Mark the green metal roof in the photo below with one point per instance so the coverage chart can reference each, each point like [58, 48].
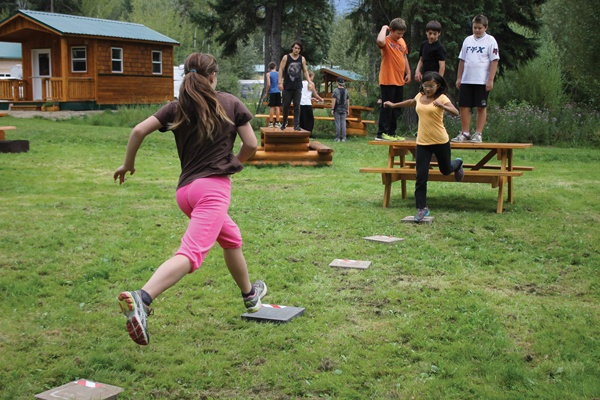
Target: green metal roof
[348, 75]
[76, 25]
[10, 50]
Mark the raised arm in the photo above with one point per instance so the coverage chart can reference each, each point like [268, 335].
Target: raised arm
[136, 138]
[381, 36]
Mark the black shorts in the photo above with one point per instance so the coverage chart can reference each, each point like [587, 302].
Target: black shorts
[472, 96]
[274, 99]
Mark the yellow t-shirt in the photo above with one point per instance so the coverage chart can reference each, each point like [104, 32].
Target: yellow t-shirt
[431, 122]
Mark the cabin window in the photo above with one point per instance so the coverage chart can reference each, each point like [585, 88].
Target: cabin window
[157, 62]
[117, 59]
[78, 59]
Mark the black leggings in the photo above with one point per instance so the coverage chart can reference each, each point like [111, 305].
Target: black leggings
[447, 166]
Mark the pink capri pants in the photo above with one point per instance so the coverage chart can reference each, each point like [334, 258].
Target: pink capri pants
[206, 201]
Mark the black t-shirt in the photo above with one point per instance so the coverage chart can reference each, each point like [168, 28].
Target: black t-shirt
[432, 54]
[292, 73]
[211, 157]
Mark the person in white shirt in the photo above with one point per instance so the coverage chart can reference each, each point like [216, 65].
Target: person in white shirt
[307, 117]
[475, 78]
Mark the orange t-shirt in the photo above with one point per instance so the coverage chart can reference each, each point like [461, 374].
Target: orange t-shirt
[392, 62]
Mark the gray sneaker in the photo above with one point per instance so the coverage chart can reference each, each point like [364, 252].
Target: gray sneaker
[270, 125]
[253, 303]
[137, 316]
[421, 213]
[336, 139]
[460, 138]
[476, 138]
[459, 174]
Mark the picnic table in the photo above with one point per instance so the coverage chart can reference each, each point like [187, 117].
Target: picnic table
[480, 172]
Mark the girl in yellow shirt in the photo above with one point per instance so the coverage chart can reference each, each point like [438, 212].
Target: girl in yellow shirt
[432, 138]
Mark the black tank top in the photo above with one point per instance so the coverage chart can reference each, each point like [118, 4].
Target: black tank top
[292, 73]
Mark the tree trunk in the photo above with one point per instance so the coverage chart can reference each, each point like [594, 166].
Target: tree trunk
[276, 32]
[409, 116]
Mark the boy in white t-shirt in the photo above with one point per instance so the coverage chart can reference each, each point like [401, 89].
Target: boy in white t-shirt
[475, 78]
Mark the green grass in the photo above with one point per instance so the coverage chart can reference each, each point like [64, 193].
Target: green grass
[475, 306]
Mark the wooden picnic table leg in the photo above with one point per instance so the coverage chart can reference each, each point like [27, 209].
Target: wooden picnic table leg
[387, 191]
[510, 179]
[502, 158]
[402, 154]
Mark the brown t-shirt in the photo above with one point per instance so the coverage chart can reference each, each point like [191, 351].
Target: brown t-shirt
[211, 157]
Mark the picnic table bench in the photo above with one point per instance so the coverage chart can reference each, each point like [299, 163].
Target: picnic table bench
[481, 172]
[290, 147]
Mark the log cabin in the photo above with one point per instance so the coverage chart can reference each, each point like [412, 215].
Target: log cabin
[86, 63]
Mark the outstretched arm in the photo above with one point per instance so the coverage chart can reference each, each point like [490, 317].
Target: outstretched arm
[136, 138]
[405, 103]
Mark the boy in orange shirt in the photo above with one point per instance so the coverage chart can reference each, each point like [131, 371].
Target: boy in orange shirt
[394, 68]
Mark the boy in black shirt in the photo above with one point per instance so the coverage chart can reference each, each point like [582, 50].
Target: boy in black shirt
[432, 56]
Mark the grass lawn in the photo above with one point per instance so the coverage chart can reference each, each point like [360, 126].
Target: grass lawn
[475, 306]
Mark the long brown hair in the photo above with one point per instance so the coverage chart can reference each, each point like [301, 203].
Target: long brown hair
[198, 102]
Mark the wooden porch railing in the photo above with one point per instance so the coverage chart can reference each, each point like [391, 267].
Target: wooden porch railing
[52, 89]
[77, 89]
[12, 89]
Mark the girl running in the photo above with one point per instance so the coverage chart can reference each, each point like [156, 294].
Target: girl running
[432, 137]
[205, 123]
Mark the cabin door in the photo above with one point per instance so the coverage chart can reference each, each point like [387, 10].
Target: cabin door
[42, 68]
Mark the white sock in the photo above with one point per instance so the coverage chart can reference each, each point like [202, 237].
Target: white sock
[467, 134]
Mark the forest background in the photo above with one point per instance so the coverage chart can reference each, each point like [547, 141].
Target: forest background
[547, 59]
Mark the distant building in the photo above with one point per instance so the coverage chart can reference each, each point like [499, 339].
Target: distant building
[10, 56]
[85, 63]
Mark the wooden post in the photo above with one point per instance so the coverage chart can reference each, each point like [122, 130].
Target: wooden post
[64, 62]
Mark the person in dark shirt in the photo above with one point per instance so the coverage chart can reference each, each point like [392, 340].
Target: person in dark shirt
[205, 124]
[432, 56]
[290, 83]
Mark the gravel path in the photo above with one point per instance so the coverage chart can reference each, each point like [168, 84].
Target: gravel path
[53, 115]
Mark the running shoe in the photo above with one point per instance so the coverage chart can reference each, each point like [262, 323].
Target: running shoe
[253, 303]
[336, 139]
[476, 138]
[344, 139]
[421, 213]
[283, 126]
[460, 172]
[270, 125]
[277, 125]
[378, 137]
[460, 138]
[137, 316]
[392, 138]
[297, 128]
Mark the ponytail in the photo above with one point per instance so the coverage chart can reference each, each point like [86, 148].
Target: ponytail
[198, 102]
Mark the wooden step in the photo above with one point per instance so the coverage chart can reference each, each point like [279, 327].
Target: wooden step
[29, 107]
